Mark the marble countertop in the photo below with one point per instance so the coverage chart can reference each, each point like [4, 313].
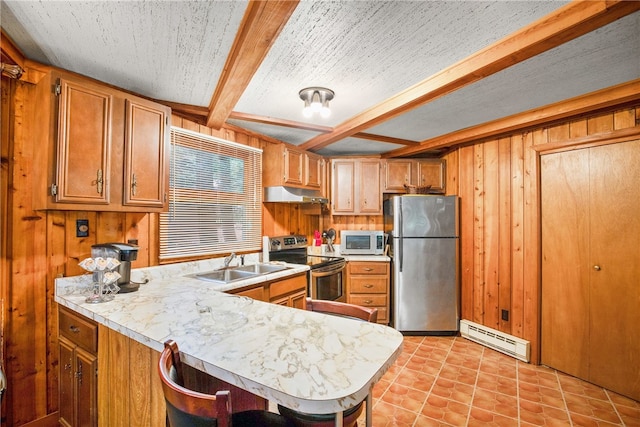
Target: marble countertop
[303, 360]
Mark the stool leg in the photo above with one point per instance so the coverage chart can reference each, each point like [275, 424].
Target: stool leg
[339, 418]
[367, 419]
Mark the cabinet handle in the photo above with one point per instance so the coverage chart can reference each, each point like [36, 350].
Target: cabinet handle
[597, 268]
[134, 184]
[368, 286]
[368, 301]
[368, 269]
[67, 366]
[79, 373]
[99, 181]
[74, 329]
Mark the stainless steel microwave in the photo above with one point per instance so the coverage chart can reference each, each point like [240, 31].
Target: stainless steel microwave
[359, 242]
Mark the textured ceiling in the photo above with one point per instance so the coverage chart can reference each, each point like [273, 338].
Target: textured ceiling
[368, 52]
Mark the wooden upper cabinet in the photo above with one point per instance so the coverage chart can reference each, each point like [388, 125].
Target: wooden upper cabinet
[397, 174]
[83, 144]
[369, 196]
[102, 149]
[343, 187]
[417, 172]
[145, 180]
[293, 165]
[286, 165]
[314, 168]
[431, 172]
[349, 175]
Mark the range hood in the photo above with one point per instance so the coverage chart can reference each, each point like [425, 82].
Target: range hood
[292, 195]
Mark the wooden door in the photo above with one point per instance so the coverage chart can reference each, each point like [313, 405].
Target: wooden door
[565, 245]
[614, 267]
[146, 154]
[591, 265]
[84, 144]
[343, 186]
[370, 196]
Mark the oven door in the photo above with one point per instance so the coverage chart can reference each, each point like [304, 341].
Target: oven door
[328, 283]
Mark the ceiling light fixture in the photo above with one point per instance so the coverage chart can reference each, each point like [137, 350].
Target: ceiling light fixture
[316, 100]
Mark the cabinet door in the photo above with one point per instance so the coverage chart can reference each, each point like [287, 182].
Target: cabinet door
[87, 388]
[397, 174]
[370, 196]
[84, 144]
[146, 154]
[590, 264]
[343, 188]
[431, 172]
[313, 167]
[614, 267]
[293, 167]
[66, 382]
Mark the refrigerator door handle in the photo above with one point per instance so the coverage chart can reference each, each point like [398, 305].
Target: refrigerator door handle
[400, 236]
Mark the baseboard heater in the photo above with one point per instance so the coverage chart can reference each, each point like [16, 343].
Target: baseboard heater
[504, 343]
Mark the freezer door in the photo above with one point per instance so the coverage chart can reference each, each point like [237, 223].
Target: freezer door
[426, 291]
[425, 216]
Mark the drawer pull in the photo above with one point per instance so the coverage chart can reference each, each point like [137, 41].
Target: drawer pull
[368, 301]
[74, 329]
[368, 285]
[368, 269]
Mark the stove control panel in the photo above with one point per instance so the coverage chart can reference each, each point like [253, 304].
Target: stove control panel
[282, 243]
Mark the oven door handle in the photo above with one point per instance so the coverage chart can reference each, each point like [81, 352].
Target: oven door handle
[316, 273]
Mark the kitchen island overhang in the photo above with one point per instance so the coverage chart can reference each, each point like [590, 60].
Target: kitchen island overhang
[307, 361]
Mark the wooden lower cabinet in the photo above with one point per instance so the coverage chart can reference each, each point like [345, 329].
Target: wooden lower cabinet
[78, 381]
[368, 285]
[290, 292]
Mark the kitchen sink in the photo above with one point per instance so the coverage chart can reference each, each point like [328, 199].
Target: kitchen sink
[241, 272]
[225, 276]
[260, 268]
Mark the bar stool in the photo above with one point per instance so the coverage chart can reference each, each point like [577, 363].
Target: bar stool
[350, 416]
[189, 408]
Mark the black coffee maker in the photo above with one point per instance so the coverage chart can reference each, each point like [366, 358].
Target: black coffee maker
[123, 252]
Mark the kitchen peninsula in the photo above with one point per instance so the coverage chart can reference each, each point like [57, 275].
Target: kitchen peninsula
[307, 361]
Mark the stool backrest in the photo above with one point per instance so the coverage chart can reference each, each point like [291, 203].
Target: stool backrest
[343, 309]
[188, 407]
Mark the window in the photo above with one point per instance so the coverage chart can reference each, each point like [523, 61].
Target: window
[215, 197]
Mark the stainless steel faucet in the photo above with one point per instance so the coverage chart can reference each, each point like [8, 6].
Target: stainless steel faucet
[228, 259]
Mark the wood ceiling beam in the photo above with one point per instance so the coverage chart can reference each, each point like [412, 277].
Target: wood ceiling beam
[260, 26]
[278, 122]
[316, 128]
[567, 23]
[606, 98]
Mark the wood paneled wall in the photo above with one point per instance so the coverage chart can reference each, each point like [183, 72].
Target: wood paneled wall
[500, 237]
[497, 181]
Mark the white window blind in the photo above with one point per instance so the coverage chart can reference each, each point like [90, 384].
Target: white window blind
[215, 197]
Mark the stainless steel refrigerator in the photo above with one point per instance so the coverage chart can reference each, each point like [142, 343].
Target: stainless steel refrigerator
[423, 236]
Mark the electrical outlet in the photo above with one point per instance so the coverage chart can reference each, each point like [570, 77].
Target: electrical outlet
[505, 315]
[82, 228]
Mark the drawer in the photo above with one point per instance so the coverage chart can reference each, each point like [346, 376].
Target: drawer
[287, 286]
[368, 267]
[368, 300]
[368, 285]
[79, 330]
[256, 293]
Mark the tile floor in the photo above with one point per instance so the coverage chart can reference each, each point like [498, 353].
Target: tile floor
[451, 381]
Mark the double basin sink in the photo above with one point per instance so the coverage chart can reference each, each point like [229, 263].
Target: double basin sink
[241, 272]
